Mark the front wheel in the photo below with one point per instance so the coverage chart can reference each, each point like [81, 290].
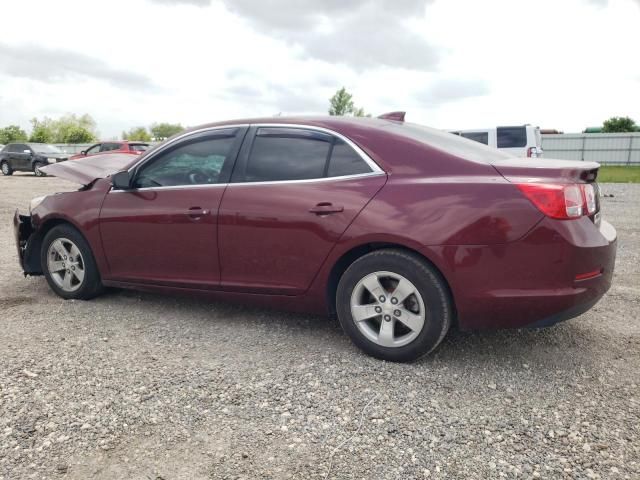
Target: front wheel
[393, 305]
[6, 168]
[68, 264]
[36, 169]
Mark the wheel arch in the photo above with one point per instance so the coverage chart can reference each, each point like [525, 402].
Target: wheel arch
[350, 256]
[32, 264]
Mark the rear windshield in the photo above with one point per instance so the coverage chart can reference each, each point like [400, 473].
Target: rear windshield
[512, 137]
[449, 143]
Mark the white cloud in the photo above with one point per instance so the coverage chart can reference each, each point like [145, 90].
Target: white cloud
[448, 63]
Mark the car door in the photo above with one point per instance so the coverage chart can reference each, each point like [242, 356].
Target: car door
[163, 230]
[20, 159]
[293, 193]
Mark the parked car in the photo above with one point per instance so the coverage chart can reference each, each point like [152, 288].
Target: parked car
[400, 229]
[521, 141]
[29, 157]
[135, 148]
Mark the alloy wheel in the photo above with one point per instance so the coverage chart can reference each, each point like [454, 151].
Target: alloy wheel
[5, 168]
[65, 264]
[388, 309]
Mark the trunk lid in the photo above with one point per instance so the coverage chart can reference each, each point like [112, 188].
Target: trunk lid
[87, 170]
[546, 170]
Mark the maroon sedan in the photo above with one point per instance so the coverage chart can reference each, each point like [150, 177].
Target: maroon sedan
[399, 229]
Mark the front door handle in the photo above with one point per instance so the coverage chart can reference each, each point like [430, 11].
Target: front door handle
[197, 212]
[325, 208]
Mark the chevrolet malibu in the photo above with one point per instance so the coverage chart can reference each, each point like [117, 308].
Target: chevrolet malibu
[400, 230]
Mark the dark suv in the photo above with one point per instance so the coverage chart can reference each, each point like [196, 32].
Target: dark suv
[29, 157]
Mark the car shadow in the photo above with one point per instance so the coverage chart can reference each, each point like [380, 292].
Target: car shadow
[566, 345]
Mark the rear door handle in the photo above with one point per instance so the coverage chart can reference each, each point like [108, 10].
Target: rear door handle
[197, 212]
[325, 208]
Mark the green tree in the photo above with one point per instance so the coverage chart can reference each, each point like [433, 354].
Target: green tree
[619, 124]
[42, 131]
[162, 131]
[66, 129]
[342, 104]
[137, 133]
[74, 129]
[12, 133]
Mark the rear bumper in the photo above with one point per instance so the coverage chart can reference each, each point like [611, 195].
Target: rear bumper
[533, 282]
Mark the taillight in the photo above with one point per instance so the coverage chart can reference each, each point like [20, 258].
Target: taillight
[589, 197]
[561, 201]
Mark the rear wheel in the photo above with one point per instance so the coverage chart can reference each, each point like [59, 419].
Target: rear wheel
[36, 169]
[68, 264]
[393, 305]
[6, 168]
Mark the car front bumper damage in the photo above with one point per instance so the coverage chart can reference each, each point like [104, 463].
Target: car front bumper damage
[23, 232]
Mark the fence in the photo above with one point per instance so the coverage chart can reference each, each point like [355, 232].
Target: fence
[73, 148]
[605, 148]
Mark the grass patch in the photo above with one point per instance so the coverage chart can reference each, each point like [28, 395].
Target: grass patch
[619, 174]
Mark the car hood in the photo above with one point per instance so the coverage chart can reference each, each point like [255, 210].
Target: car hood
[89, 169]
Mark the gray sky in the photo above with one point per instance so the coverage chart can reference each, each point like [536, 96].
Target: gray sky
[449, 64]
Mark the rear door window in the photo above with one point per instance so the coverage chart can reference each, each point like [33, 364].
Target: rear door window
[480, 137]
[512, 137]
[282, 154]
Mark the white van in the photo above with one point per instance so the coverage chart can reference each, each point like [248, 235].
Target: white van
[521, 141]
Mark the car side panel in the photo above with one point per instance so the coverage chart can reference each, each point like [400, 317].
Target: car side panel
[439, 212]
[82, 210]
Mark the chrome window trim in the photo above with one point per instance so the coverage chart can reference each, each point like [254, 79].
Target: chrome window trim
[368, 160]
[274, 182]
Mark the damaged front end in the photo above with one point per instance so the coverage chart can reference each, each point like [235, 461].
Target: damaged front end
[27, 244]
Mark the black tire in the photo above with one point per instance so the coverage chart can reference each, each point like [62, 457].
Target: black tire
[36, 169]
[91, 285]
[428, 282]
[6, 168]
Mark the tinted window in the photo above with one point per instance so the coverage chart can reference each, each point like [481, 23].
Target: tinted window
[107, 147]
[287, 154]
[345, 161]
[138, 147]
[197, 162]
[512, 137]
[94, 149]
[482, 137]
[18, 148]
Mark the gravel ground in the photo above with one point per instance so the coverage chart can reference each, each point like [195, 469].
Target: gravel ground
[144, 386]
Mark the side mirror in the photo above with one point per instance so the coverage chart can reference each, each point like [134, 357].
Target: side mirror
[27, 151]
[83, 152]
[121, 180]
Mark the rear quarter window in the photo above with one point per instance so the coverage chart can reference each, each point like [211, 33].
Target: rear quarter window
[512, 137]
[345, 161]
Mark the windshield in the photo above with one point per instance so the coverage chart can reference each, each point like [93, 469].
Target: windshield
[45, 148]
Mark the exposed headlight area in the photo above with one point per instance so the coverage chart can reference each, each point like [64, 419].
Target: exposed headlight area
[35, 202]
[52, 160]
